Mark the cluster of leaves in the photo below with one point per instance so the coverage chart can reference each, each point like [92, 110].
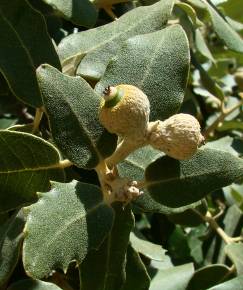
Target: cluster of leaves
[56, 230]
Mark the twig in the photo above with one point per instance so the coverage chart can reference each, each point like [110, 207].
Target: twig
[214, 225]
[108, 10]
[37, 119]
[59, 279]
[221, 117]
[65, 163]
[221, 209]
[104, 173]
[123, 149]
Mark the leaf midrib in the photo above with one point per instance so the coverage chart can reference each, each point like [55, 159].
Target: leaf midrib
[19, 39]
[82, 127]
[111, 39]
[30, 169]
[158, 182]
[149, 63]
[62, 230]
[140, 166]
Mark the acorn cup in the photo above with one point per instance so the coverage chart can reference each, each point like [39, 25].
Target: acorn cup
[178, 136]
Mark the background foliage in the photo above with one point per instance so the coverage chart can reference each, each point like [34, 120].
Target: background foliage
[56, 231]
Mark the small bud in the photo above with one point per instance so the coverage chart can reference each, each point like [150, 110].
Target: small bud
[125, 111]
[179, 136]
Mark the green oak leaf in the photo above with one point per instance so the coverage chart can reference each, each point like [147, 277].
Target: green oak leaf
[72, 107]
[235, 253]
[190, 217]
[136, 273]
[177, 183]
[11, 236]
[134, 166]
[189, 10]
[158, 64]
[236, 283]
[224, 30]
[78, 12]
[174, 278]
[64, 225]
[29, 284]
[27, 163]
[108, 264]
[95, 47]
[231, 9]
[23, 36]
[148, 249]
[208, 276]
[201, 45]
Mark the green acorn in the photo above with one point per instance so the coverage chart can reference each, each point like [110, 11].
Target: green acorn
[178, 136]
[124, 110]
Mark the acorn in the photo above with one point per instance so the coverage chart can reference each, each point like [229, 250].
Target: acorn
[124, 110]
[179, 136]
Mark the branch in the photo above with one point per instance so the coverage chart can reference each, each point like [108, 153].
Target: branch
[37, 119]
[123, 149]
[65, 163]
[221, 117]
[214, 225]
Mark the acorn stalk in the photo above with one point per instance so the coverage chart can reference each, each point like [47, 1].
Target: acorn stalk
[124, 148]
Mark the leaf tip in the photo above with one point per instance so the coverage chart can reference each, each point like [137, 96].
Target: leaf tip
[39, 194]
[26, 210]
[42, 68]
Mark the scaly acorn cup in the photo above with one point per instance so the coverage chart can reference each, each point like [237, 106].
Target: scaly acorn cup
[179, 136]
[124, 110]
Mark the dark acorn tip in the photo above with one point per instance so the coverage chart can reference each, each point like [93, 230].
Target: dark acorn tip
[107, 91]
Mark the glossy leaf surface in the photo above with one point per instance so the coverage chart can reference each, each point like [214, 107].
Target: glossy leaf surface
[20, 51]
[176, 183]
[27, 164]
[64, 225]
[72, 107]
[158, 64]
